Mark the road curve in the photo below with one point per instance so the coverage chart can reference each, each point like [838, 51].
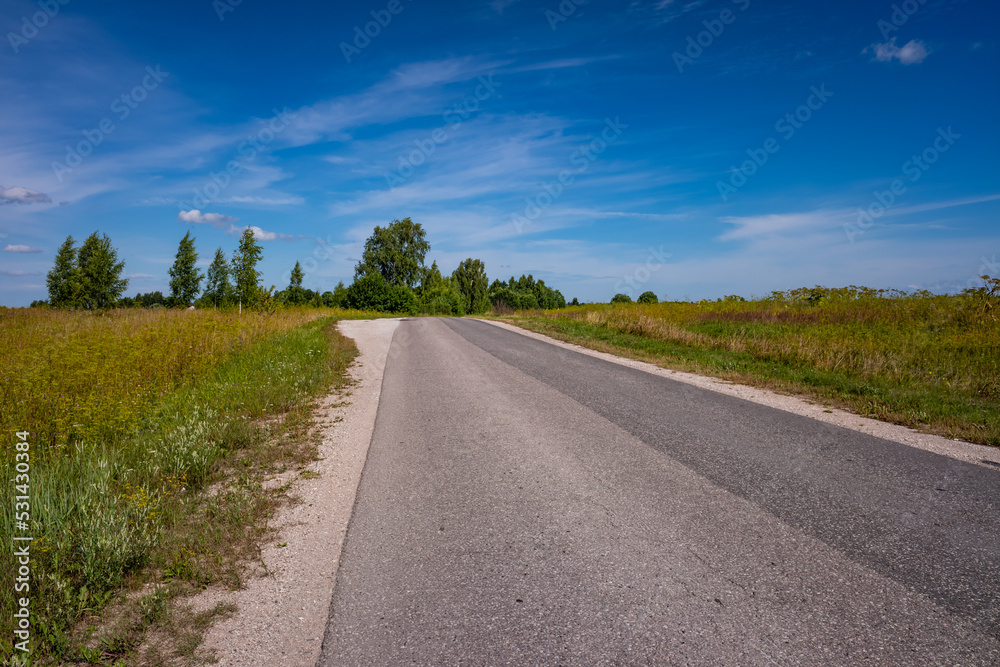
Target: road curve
[526, 504]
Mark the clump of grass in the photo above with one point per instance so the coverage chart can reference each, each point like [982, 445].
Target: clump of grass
[919, 359]
[112, 507]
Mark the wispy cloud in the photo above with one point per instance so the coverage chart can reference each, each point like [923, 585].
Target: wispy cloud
[20, 248]
[829, 221]
[766, 225]
[265, 201]
[561, 64]
[500, 5]
[665, 11]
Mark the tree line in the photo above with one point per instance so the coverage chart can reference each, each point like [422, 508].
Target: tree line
[90, 277]
[390, 277]
[393, 277]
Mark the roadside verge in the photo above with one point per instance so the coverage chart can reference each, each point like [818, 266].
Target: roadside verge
[282, 609]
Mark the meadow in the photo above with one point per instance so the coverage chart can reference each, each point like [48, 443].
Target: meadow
[927, 361]
[132, 417]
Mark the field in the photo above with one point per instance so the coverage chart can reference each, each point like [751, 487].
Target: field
[131, 417]
[931, 362]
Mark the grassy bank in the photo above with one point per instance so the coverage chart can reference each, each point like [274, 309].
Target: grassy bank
[926, 361]
[132, 418]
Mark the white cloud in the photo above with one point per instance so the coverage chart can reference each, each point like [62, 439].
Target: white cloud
[225, 222]
[20, 248]
[19, 195]
[259, 234]
[263, 235]
[914, 51]
[197, 217]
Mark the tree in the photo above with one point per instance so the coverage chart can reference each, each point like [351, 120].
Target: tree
[437, 295]
[64, 279]
[295, 295]
[337, 298]
[218, 289]
[297, 276]
[101, 282]
[647, 297]
[185, 278]
[621, 298]
[397, 252]
[525, 293]
[150, 300]
[245, 272]
[471, 281]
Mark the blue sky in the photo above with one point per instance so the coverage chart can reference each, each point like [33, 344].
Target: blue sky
[695, 149]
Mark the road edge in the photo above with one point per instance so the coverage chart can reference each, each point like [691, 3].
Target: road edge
[956, 449]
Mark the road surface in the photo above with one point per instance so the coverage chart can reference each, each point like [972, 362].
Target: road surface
[526, 504]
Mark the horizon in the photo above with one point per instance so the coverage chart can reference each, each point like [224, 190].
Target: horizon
[695, 149]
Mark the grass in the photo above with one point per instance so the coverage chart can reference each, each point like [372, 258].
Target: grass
[931, 362]
[150, 433]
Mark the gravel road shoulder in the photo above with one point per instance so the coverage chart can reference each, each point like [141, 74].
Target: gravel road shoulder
[282, 610]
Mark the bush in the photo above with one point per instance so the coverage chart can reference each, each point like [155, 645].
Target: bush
[648, 297]
[445, 303]
[514, 300]
[621, 298]
[525, 293]
[372, 292]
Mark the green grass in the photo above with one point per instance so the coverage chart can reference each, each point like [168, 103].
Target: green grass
[113, 510]
[930, 362]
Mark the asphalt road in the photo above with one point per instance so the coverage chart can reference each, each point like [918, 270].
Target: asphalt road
[524, 504]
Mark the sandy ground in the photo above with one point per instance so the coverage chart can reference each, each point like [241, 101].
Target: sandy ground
[957, 449]
[282, 611]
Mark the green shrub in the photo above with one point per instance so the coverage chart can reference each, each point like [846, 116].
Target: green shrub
[372, 292]
[648, 297]
[525, 293]
[621, 298]
[515, 300]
